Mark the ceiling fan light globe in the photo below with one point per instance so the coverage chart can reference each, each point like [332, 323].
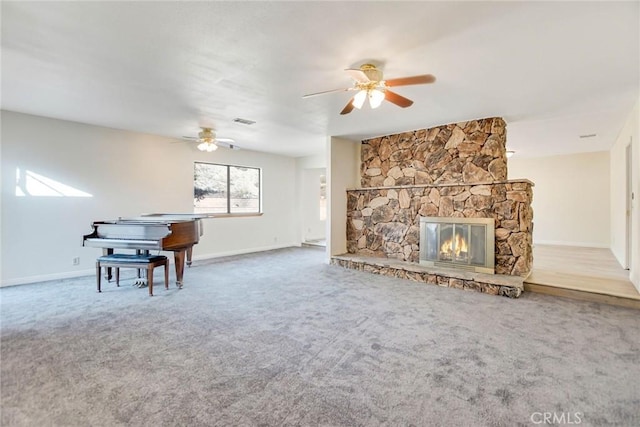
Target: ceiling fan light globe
[375, 98]
[202, 146]
[212, 147]
[358, 100]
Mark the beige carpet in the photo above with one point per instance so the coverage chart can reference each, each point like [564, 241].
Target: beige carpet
[281, 339]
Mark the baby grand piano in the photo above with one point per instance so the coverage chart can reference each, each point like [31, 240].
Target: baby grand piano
[162, 232]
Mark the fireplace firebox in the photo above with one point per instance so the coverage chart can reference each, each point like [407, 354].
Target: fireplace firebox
[464, 243]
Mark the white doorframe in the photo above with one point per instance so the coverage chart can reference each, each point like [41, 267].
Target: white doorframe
[628, 197]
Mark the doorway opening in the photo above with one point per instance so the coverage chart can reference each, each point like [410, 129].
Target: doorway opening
[314, 206]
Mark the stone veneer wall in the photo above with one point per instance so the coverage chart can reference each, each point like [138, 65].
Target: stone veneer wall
[465, 152]
[455, 170]
[385, 221]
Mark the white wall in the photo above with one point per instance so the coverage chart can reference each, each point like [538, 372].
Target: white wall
[570, 198]
[630, 134]
[315, 161]
[128, 174]
[343, 172]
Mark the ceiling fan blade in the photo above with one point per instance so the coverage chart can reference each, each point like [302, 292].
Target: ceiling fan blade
[413, 80]
[226, 140]
[348, 108]
[358, 75]
[326, 91]
[190, 137]
[399, 100]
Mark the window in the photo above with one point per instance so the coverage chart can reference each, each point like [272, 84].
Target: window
[225, 189]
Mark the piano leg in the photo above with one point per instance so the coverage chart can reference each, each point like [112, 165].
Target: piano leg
[179, 256]
[142, 276]
[189, 254]
[107, 251]
[98, 275]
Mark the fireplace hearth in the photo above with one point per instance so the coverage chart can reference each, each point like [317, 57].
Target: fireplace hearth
[463, 243]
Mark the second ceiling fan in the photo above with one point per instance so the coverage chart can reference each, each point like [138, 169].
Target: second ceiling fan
[369, 83]
[208, 141]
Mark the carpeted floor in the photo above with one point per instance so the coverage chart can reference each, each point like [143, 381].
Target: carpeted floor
[281, 339]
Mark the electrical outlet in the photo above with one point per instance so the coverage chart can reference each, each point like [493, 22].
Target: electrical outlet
[76, 260]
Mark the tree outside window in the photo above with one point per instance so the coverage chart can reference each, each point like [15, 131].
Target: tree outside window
[226, 189]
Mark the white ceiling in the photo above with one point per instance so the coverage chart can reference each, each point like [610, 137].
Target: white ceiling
[553, 70]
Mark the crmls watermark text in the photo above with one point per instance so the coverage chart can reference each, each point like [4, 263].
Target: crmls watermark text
[557, 418]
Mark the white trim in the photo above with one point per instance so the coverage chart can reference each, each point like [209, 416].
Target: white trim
[243, 251]
[562, 243]
[628, 198]
[314, 237]
[47, 277]
[91, 272]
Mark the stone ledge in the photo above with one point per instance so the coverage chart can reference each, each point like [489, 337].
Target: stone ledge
[453, 184]
[494, 284]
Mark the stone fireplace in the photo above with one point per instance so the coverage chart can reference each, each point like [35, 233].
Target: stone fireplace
[464, 243]
[453, 171]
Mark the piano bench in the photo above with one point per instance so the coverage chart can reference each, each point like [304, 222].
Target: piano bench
[148, 262]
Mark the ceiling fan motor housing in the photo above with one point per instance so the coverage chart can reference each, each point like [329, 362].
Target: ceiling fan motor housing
[371, 72]
[206, 134]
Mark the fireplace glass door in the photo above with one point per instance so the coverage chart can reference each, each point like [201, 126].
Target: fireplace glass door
[463, 243]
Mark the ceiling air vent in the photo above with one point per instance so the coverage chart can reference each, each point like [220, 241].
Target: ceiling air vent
[591, 135]
[243, 121]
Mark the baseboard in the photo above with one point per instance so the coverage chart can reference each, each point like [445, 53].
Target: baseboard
[243, 251]
[564, 243]
[308, 238]
[91, 272]
[47, 277]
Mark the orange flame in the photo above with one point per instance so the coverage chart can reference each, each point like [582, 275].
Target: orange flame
[460, 246]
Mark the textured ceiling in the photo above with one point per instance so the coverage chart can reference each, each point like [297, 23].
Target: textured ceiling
[553, 70]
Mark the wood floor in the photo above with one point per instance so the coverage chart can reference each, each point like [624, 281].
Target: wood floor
[591, 274]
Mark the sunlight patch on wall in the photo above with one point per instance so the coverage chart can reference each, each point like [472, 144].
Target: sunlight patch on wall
[29, 183]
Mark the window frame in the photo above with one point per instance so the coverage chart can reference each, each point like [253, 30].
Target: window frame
[228, 213]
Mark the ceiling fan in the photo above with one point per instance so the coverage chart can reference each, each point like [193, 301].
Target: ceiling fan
[209, 142]
[369, 84]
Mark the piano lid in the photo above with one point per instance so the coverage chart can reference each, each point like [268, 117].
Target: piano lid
[168, 217]
[135, 230]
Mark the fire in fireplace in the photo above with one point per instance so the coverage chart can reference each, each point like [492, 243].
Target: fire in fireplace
[455, 246]
[466, 243]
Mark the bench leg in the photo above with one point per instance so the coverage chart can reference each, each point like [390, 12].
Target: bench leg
[98, 272]
[146, 267]
[150, 279]
[166, 274]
